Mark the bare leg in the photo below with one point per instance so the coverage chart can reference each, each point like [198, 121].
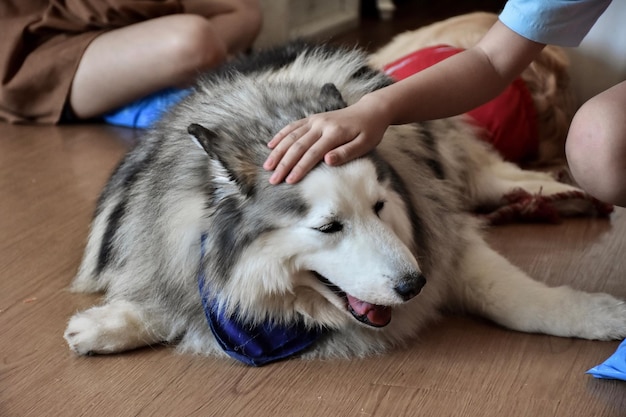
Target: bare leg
[129, 63]
[596, 146]
[238, 22]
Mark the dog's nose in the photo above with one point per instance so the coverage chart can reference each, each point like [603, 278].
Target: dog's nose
[410, 286]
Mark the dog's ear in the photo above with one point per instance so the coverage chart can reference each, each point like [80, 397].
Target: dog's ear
[202, 137]
[239, 169]
[331, 97]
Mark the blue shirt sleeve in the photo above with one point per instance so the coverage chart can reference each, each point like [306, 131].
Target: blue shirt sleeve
[555, 22]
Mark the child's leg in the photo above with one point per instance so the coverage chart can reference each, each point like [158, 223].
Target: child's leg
[131, 62]
[238, 22]
[596, 146]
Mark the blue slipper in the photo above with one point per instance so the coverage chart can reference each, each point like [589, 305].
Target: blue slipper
[144, 112]
[614, 367]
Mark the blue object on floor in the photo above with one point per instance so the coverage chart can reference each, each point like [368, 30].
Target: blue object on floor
[614, 367]
[144, 112]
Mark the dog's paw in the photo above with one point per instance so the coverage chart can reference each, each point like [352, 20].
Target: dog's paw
[110, 328]
[604, 318]
[83, 335]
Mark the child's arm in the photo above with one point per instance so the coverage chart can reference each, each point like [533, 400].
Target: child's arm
[453, 86]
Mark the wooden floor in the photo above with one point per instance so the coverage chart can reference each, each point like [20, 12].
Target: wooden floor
[50, 178]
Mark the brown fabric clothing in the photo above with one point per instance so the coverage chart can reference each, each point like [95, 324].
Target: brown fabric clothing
[42, 43]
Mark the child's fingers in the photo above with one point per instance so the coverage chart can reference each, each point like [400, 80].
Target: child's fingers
[345, 146]
[347, 152]
[282, 144]
[289, 152]
[307, 161]
[284, 132]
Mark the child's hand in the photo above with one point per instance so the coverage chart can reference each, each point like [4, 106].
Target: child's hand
[335, 137]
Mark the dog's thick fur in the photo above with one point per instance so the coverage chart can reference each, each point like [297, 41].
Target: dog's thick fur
[359, 237]
[547, 78]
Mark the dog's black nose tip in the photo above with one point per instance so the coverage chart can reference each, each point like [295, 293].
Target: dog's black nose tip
[410, 286]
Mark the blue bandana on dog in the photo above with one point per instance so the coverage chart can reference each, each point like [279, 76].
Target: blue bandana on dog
[255, 345]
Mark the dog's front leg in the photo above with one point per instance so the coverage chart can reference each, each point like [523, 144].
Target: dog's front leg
[114, 327]
[489, 285]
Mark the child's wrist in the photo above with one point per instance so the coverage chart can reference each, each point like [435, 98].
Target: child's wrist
[377, 107]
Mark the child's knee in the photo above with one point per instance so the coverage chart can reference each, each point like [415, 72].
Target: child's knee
[251, 16]
[195, 45]
[596, 149]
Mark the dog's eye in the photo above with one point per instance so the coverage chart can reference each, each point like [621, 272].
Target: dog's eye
[378, 206]
[332, 227]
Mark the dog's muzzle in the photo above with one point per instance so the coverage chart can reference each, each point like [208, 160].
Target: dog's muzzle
[375, 315]
[410, 286]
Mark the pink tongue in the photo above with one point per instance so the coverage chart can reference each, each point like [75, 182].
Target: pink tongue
[376, 315]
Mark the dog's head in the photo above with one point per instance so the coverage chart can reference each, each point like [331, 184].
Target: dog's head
[334, 248]
[355, 243]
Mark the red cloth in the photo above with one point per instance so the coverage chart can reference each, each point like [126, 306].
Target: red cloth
[510, 119]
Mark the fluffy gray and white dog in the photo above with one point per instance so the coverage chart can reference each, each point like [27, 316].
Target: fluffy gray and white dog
[193, 245]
